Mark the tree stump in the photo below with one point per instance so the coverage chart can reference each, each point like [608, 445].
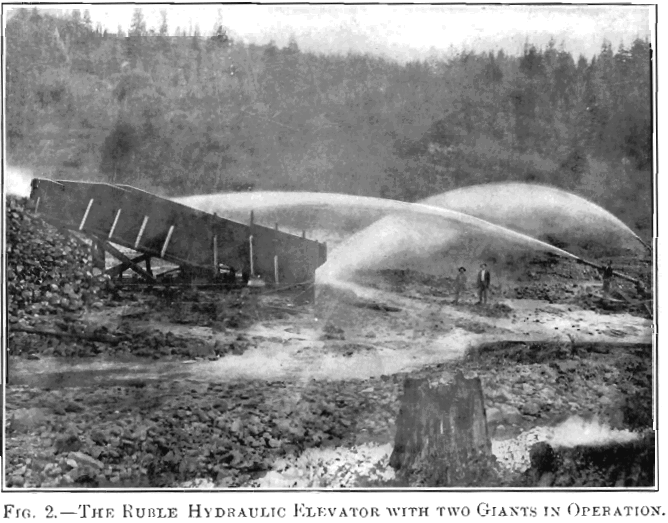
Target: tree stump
[442, 437]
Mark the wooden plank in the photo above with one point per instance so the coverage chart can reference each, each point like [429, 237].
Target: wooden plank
[122, 267]
[125, 259]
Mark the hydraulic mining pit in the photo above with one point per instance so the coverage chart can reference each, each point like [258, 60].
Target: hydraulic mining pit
[102, 376]
[199, 243]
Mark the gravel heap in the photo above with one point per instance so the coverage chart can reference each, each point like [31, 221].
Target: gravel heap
[48, 271]
[167, 434]
[339, 467]
[547, 382]
[79, 340]
[258, 434]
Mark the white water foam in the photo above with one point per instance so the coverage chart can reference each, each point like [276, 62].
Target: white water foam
[17, 181]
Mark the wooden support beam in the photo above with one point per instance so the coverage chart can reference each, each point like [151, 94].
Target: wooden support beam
[141, 231]
[164, 245]
[122, 267]
[113, 226]
[215, 254]
[85, 216]
[216, 267]
[252, 262]
[125, 259]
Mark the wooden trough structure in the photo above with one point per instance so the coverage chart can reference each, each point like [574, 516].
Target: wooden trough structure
[199, 243]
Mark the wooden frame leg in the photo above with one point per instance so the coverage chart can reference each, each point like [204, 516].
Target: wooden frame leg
[118, 270]
[127, 263]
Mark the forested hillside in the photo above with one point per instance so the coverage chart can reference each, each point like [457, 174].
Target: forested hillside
[193, 113]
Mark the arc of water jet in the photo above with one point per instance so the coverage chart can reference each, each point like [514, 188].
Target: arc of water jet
[482, 224]
[276, 200]
[468, 200]
[335, 271]
[498, 192]
[279, 201]
[334, 276]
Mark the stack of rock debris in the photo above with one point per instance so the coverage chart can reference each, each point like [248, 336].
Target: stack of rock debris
[48, 270]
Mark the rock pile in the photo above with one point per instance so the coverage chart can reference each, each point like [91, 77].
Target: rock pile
[238, 432]
[338, 467]
[82, 341]
[164, 434]
[48, 271]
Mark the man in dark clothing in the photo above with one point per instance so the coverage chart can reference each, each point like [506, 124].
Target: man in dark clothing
[460, 283]
[607, 276]
[483, 281]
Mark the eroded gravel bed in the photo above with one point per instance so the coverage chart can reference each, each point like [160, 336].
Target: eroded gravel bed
[164, 434]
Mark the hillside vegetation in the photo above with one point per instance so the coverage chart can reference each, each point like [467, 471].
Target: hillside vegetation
[201, 113]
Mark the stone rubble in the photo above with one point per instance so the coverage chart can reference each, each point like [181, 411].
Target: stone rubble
[49, 271]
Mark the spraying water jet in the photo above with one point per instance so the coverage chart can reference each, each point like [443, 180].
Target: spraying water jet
[541, 211]
[552, 218]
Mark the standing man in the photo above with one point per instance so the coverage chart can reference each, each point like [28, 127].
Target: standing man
[460, 283]
[483, 281]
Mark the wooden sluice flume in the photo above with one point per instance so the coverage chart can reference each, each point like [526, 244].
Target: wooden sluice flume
[155, 227]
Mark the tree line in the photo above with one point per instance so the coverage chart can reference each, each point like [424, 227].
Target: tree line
[196, 112]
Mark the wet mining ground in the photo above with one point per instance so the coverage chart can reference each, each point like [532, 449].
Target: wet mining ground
[248, 388]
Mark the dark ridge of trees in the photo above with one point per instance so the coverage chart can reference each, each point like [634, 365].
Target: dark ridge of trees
[200, 112]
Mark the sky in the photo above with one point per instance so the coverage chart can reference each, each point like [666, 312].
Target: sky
[403, 32]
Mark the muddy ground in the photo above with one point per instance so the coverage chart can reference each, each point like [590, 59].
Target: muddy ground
[241, 387]
[220, 398]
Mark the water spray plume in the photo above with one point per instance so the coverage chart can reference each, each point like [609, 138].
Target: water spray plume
[540, 211]
[545, 213]
[462, 223]
[331, 216]
[343, 203]
[17, 181]
[578, 431]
